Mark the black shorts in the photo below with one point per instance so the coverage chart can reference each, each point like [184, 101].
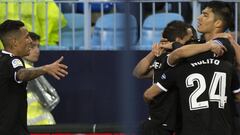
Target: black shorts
[150, 127]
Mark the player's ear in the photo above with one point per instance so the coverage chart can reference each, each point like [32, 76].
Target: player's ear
[11, 41]
[14, 41]
[219, 23]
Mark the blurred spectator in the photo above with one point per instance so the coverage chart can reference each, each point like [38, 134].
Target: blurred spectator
[23, 9]
[41, 96]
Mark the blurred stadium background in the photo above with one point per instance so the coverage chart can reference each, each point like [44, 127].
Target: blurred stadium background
[101, 41]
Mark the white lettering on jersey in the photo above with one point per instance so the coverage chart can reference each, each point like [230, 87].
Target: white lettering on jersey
[17, 63]
[204, 62]
[156, 65]
[216, 91]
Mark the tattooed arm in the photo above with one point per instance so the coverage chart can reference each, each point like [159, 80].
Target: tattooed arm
[55, 69]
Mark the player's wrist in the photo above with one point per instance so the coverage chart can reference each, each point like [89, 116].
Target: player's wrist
[152, 54]
[45, 69]
[210, 45]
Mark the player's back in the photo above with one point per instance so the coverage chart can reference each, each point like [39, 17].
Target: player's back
[206, 96]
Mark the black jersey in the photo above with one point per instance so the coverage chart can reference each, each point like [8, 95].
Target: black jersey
[13, 97]
[163, 109]
[205, 88]
[229, 55]
[160, 63]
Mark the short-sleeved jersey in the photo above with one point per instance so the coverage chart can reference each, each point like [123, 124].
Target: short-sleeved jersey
[13, 100]
[159, 66]
[165, 106]
[160, 63]
[205, 87]
[229, 55]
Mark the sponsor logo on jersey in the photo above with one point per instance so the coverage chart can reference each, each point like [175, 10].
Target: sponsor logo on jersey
[156, 65]
[17, 63]
[163, 76]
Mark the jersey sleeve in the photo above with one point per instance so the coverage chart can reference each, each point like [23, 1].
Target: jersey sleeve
[175, 46]
[230, 53]
[15, 63]
[166, 79]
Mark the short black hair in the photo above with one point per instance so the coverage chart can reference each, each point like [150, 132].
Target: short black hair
[9, 26]
[175, 29]
[222, 11]
[34, 36]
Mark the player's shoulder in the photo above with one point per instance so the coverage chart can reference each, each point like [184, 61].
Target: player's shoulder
[225, 42]
[230, 53]
[15, 61]
[222, 40]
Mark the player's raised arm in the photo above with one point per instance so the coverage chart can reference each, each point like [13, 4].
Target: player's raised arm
[55, 69]
[142, 69]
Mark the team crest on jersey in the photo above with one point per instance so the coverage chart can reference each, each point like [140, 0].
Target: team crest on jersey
[17, 63]
[163, 76]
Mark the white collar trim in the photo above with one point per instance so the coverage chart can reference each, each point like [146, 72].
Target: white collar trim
[7, 53]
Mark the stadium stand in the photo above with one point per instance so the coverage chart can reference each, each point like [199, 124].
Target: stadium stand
[95, 7]
[110, 31]
[72, 34]
[153, 27]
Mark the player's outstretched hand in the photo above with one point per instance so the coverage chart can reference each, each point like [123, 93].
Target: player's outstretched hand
[57, 69]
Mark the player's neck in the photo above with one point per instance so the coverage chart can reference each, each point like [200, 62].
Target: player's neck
[208, 36]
